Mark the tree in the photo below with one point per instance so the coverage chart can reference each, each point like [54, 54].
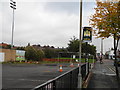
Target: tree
[39, 54]
[49, 53]
[73, 46]
[33, 53]
[8, 46]
[106, 19]
[106, 22]
[20, 48]
[88, 49]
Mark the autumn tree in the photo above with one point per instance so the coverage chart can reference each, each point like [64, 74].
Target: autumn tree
[106, 21]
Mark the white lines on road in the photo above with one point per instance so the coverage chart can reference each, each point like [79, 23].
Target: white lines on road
[111, 69]
[111, 74]
[27, 80]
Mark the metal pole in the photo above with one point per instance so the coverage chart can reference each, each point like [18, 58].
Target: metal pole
[101, 47]
[80, 44]
[101, 51]
[86, 60]
[12, 30]
[13, 6]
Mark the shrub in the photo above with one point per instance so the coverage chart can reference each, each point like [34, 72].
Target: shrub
[33, 53]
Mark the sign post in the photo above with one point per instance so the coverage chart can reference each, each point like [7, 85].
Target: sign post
[87, 37]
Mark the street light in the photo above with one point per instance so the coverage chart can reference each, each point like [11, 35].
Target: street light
[80, 44]
[13, 6]
[101, 51]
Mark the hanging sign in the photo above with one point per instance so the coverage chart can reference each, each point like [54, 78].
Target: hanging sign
[87, 34]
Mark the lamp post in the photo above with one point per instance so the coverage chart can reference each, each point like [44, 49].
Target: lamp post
[80, 44]
[101, 51]
[13, 6]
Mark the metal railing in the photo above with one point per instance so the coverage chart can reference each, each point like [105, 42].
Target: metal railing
[83, 71]
[67, 80]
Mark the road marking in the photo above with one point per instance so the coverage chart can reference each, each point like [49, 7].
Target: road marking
[111, 69]
[111, 74]
[26, 80]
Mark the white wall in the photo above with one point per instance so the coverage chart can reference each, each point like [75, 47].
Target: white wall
[1, 57]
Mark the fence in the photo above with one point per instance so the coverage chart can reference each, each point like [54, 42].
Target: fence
[67, 80]
[83, 71]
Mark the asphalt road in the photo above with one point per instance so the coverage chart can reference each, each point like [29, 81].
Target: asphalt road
[29, 75]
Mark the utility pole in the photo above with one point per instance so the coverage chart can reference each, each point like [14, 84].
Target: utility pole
[80, 45]
[13, 6]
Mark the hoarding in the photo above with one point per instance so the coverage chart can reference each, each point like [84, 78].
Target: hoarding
[87, 34]
[20, 55]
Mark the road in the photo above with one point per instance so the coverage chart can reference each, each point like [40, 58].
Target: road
[29, 75]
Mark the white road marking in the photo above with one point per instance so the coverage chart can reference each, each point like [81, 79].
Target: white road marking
[26, 80]
[111, 74]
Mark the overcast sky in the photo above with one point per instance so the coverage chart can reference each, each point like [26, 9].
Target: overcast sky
[46, 23]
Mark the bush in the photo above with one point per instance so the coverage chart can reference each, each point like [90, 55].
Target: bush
[33, 54]
[50, 53]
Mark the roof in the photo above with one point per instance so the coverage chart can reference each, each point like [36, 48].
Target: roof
[4, 44]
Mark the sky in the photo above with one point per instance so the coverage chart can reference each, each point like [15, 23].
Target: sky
[46, 22]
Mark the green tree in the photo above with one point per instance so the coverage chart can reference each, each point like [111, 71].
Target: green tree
[20, 48]
[73, 46]
[49, 53]
[39, 54]
[88, 49]
[33, 54]
[8, 46]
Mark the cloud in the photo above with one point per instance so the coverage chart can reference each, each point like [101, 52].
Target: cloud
[107, 44]
[48, 0]
[35, 24]
[45, 23]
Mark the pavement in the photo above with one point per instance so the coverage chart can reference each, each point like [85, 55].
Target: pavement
[104, 76]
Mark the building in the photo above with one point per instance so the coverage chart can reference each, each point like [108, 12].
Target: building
[2, 45]
[6, 46]
[11, 55]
